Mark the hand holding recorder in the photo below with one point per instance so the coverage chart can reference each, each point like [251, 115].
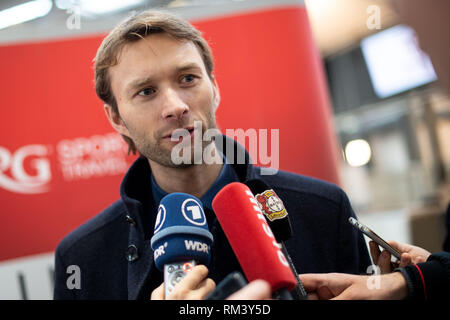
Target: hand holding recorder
[404, 253]
[409, 255]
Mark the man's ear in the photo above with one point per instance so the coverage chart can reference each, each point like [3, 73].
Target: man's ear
[216, 93]
[115, 120]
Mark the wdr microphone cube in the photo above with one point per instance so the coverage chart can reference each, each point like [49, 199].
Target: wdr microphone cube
[181, 231]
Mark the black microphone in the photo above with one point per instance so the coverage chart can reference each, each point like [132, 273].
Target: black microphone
[229, 285]
[277, 217]
[252, 240]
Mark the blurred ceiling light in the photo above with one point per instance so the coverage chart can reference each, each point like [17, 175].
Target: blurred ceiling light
[24, 12]
[358, 152]
[97, 7]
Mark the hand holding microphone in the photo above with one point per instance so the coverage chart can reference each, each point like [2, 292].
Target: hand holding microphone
[181, 238]
[194, 286]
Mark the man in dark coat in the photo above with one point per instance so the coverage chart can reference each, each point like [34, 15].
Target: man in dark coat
[154, 74]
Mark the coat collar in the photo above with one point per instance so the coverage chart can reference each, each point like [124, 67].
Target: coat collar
[136, 194]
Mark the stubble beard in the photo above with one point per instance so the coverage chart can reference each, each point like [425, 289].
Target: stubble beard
[162, 155]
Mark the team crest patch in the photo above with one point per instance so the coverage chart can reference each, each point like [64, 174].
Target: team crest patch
[271, 205]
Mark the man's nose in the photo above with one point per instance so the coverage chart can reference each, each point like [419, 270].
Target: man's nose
[173, 105]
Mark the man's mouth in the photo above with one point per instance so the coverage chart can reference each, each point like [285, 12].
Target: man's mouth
[179, 134]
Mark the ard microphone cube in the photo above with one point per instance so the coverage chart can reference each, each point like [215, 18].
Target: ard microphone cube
[181, 231]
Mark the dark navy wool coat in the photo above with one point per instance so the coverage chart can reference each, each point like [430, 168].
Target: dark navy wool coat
[115, 259]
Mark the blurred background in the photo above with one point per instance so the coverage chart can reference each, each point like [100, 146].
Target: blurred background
[372, 88]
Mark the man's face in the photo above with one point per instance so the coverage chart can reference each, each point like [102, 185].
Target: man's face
[160, 85]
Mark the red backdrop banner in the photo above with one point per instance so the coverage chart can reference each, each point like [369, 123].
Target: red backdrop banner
[61, 163]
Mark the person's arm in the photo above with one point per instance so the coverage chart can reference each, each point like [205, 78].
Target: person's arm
[195, 286]
[341, 286]
[428, 280]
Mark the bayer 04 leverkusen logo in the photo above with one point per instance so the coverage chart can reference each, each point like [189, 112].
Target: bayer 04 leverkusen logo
[271, 205]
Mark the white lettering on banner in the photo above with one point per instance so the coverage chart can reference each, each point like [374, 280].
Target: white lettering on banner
[80, 158]
[29, 277]
[93, 168]
[96, 146]
[21, 181]
[97, 156]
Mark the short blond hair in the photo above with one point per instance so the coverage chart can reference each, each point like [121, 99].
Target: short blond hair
[134, 29]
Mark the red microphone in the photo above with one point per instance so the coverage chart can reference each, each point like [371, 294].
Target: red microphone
[251, 238]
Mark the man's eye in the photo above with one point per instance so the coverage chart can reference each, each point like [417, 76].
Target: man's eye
[146, 92]
[188, 78]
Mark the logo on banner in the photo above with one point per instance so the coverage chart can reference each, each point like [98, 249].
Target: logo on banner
[21, 180]
[271, 205]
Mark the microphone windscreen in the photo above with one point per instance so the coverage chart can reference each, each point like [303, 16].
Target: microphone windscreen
[181, 231]
[250, 237]
[273, 209]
